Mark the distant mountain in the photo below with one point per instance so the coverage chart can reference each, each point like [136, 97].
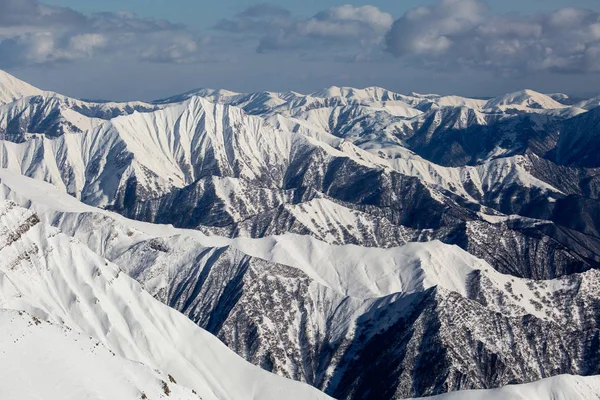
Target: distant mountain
[372, 244]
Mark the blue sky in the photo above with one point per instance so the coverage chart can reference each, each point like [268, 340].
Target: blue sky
[203, 14]
[467, 47]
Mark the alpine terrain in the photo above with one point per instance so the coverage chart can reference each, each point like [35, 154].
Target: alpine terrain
[350, 243]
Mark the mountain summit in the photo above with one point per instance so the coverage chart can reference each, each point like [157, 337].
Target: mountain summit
[12, 89]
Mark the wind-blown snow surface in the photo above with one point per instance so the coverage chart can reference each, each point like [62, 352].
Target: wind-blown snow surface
[341, 238]
[41, 360]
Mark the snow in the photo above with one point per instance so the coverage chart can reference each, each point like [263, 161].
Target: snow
[363, 272]
[589, 104]
[40, 360]
[562, 387]
[173, 144]
[524, 100]
[55, 277]
[458, 101]
[167, 148]
[12, 89]
[350, 270]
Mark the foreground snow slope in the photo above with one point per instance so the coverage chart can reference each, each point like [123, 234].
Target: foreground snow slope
[563, 387]
[41, 360]
[54, 277]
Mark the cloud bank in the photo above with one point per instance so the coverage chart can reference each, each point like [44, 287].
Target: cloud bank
[464, 33]
[276, 28]
[32, 33]
[449, 35]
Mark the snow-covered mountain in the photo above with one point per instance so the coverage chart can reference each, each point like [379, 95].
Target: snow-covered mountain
[427, 243]
[340, 290]
[13, 89]
[26, 110]
[54, 277]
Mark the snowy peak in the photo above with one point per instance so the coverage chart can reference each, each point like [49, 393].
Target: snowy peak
[12, 89]
[524, 99]
[217, 96]
[372, 93]
[589, 104]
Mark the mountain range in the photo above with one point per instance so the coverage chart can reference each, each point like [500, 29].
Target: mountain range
[370, 244]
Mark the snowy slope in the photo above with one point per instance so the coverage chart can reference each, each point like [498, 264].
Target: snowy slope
[54, 277]
[26, 110]
[174, 147]
[339, 284]
[41, 360]
[12, 89]
[350, 270]
[525, 99]
[48, 115]
[564, 387]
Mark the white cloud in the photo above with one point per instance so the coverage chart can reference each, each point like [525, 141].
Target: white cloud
[446, 36]
[180, 50]
[86, 43]
[277, 29]
[464, 33]
[32, 33]
[367, 16]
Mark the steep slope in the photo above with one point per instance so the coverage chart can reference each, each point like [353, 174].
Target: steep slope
[54, 277]
[577, 144]
[44, 360]
[156, 154]
[12, 89]
[215, 168]
[42, 115]
[26, 110]
[197, 172]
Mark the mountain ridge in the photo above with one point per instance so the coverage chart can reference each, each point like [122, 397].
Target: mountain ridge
[336, 238]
